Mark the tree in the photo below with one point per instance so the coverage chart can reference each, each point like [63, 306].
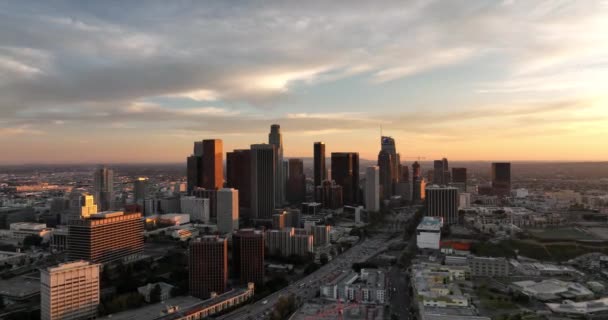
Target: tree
[156, 294]
[323, 258]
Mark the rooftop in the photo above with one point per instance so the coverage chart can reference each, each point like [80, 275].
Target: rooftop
[430, 224]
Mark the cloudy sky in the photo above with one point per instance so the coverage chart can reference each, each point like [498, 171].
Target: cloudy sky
[128, 81]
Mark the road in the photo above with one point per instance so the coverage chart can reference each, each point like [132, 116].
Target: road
[307, 287]
[400, 298]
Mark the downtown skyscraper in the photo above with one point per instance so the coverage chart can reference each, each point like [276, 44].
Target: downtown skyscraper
[276, 139]
[238, 174]
[263, 180]
[389, 164]
[501, 178]
[103, 188]
[208, 266]
[372, 189]
[205, 167]
[345, 172]
[319, 169]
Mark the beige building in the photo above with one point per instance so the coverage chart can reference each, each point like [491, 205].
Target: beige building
[69, 291]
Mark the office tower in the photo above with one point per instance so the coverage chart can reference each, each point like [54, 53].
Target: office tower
[210, 194]
[105, 237]
[275, 139]
[208, 266]
[416, 177]
[103, 186]
[321, 235]
[291, 218]
[296, 183]
[262, 180]
[404, 172]
[248, 255]
[140, 190]
[501, 178]
[194, 172]
[386, 168]
[388, 144]
[88, 206]
[198, 149]
[329, 194]
[198, 208]
[345, 172]
[278, 220]
[238, 175]
[442, 202]
[447, 176]
[372, 189]
[459, 175]
[437, 177]
[213, 164]
[227, 210]
[289, 241]
[69, 291]
[320, 171]
[303, 244]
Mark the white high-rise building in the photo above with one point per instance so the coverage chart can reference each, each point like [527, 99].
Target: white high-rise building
[69, 291]
[372, 188]
[197, 208]
[227, 210]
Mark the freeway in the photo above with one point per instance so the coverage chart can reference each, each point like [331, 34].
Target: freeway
[306, 288]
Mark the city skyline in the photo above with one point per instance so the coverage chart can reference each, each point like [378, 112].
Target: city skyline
[473, 80]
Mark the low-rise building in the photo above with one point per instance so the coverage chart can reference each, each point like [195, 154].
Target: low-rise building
[594, 309]
[368, 286]
[553, 289]
[488, 266]
[21, 230]
[165, 291]
[428, 233]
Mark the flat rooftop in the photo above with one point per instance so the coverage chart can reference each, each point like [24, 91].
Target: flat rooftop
[153, 311]
[21, 287]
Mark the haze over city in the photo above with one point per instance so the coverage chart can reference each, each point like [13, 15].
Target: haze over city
[92, 82]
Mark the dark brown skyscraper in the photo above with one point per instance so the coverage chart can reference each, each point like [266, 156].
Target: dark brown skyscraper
[345, 172]
[238, 167]
[387, 181]
[208, 266]
[416, 182]
[105, 236]
[296, 182]
[438, 172]
[501, 178]
[213, 164]
[320, 172]
[459, 175]
[248, 255]
[194, 172]
[262, 181]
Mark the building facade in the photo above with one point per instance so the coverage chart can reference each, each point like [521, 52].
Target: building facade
[372, 188]
[345, 172]
[69, 291]
[248, 255]
[442, 202]
[105, 237]
[227, 210]
[263, 181]
[320, 171]
[208, 266]
[238, 175]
